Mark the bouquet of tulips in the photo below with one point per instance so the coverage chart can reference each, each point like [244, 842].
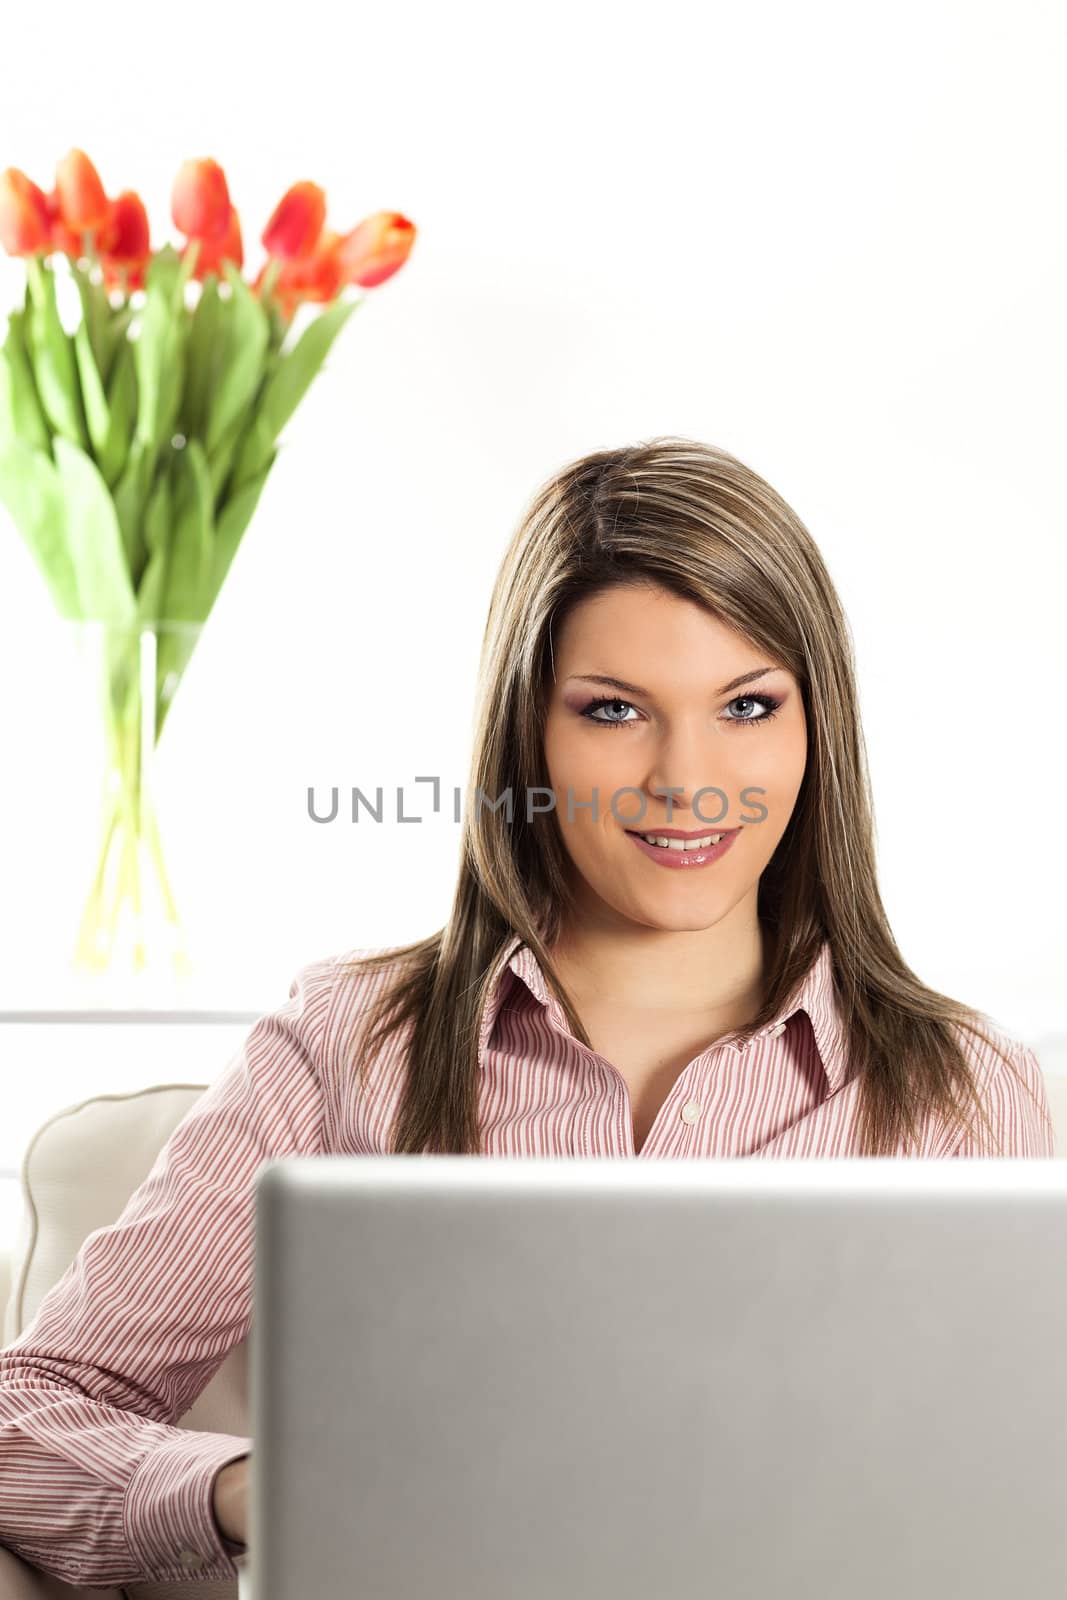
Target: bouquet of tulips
[134, 447]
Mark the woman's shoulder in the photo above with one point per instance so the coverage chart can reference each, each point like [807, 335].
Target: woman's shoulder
[368, 965]
[1010, 1080]
[353, 965]
[355, 977]
[986, 1043]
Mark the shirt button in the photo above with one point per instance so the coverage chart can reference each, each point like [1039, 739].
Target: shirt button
[691, 1111]
[190, 1559]
[779, 1027]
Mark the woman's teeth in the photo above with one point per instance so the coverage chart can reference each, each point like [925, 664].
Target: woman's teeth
[681, 844]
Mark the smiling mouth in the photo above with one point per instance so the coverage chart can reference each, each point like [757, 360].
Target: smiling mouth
[682, 843]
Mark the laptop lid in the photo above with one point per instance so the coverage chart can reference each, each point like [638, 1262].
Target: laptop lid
[501, 1377]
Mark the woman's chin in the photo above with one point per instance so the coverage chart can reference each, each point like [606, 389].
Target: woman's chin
[675, 913]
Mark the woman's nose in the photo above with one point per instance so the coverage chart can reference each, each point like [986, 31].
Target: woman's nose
[691, 766]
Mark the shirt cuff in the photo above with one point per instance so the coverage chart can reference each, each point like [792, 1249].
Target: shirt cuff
[168, 1515]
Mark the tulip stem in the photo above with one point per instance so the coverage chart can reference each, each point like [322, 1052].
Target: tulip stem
[36, 267]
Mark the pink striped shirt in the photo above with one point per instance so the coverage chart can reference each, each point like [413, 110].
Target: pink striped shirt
[97, 1483]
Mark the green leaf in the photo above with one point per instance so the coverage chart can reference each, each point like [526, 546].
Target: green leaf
[97, 410]
[202, 357]
[96, 317]
[233, 520]
[157, 517]
[150, 597]
[122, 409]
[130, 494]
[117, 327]
[159, 351]
[221, 458]
[157, 526]
[169, 270]
[31, 490]
[21, 415]
[52, 353]
[279, 326]
[156, 360]
[256, 446]
[188, 588]
[287, 385]
[247, 336]
[104, 590]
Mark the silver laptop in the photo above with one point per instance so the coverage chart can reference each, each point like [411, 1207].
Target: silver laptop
[496, 1378]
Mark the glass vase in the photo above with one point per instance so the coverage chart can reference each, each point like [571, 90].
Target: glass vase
[130, 921]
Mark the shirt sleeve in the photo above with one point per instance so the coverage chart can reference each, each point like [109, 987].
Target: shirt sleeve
[1020, 1114]
[98, 1484]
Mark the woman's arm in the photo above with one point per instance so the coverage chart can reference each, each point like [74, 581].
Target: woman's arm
[98, 1485]
[229, 1503]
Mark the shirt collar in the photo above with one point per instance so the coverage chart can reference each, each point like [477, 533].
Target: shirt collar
[813, 994]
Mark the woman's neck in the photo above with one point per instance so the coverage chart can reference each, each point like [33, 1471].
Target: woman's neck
[717, 973]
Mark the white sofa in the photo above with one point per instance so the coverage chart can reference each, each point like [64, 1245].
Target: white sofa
[78, 1171]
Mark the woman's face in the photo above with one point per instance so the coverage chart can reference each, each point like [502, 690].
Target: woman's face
[674, 717]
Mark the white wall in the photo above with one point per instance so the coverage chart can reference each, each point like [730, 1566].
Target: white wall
[828, 237]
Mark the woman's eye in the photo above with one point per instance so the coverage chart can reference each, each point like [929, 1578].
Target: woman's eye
[610, 722]
[767, 702]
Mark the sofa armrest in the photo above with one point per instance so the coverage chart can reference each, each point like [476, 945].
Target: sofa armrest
[19, 1581]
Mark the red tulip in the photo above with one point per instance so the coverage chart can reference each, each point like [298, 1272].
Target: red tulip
[123, 245]
[24, 218]
[315, 277]
[376, 248]
[214, 251]
[124, 237]
[296, 222]
[200, 200]
[60, 237]
[83, 205]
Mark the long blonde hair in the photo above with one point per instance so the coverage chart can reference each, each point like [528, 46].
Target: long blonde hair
[696, 521]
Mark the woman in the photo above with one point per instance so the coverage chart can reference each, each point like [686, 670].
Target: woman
[666, 592]
[596, 990]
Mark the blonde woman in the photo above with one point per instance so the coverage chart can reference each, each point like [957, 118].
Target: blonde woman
[665, 656]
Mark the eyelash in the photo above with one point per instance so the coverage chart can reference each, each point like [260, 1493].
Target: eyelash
[768, 701]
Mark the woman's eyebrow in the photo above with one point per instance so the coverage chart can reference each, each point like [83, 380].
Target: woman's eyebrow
[633, 688]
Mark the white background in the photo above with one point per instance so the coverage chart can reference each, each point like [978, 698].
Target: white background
[828, 237]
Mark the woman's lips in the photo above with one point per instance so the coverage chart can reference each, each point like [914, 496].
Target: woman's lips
[664, 856]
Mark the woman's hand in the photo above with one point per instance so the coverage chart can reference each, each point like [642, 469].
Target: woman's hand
[229, 1499]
